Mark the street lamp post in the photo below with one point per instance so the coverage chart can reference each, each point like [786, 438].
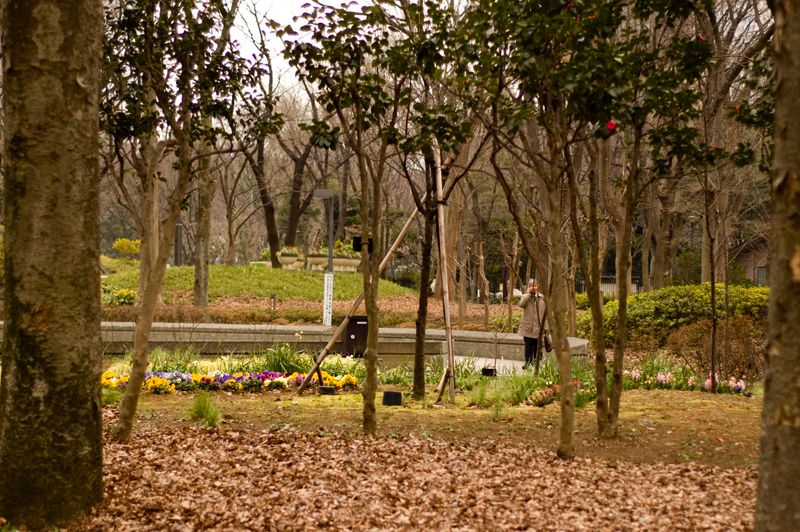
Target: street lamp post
[327, 304]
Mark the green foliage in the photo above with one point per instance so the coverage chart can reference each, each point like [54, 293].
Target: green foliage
[344, 248]
[185, 360]
[284, 359]
[582, 300]
[127, 248]
[479, 395]
[655, 314]
[662, 372]
[467, 373]
[110, 396]
[109, 265]
[225, 280]
[266, 255]
[500, 323]
[119, 297]
[204, 410]
[339, 365]
[520, 387]
[291, 251]
[400, 376]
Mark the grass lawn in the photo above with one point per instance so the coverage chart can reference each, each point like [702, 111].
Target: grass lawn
[248, 281]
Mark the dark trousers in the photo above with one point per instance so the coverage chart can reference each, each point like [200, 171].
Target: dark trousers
[530, 349]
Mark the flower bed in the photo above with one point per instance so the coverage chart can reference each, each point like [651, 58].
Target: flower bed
[168, 382]
[680, 380]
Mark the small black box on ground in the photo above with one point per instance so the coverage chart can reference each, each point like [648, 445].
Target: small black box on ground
[354, 341]
[392, 399]
[327, 390]
[488, 372]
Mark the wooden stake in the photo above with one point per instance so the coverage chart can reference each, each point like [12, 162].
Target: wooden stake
[449, 373]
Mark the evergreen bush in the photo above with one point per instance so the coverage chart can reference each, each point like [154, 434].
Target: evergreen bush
[652, 316]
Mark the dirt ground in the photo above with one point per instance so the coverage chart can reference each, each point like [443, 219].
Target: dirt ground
[656, 425]
[683, 461]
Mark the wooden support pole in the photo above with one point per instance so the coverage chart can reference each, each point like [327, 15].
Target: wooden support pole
[449, 373]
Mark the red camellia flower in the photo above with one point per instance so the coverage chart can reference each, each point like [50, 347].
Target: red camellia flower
[611, 125]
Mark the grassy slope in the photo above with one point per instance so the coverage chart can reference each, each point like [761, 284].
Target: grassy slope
[238, 281]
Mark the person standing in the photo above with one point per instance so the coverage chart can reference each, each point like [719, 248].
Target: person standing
[532, 322]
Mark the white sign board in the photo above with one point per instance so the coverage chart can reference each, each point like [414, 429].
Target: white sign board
[327, 302]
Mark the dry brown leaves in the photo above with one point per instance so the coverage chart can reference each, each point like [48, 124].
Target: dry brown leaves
[190, 478]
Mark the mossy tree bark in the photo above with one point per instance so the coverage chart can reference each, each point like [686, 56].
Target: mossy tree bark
[778, 497]
[50, 412]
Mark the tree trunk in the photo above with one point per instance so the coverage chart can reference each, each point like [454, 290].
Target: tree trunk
[590, 265]
[558, 324]
[230, 250]
[370, 268]
[456, 205]
[778, 505]
[50, 411]
[295, 205]
[206, 187]
[422, 307]
[484, 284]
[141, 334]
[662, 259]
[152, 152]
[647, 241]
[267, 204]
[623, 232]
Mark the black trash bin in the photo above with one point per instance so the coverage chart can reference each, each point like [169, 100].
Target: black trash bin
[354, 341]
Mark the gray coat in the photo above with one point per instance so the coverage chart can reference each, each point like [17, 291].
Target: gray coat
[530, 323]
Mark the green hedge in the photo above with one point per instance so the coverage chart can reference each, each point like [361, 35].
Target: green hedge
[653, 315]
[582, 300]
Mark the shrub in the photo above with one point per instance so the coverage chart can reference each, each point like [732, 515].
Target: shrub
[126, 248]
[319, 250]
[745, 357]
[582, 300]
[265, 255]
[344, 248]
[204, 410]
[291, 251]
[654, 315]
[117, 297]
